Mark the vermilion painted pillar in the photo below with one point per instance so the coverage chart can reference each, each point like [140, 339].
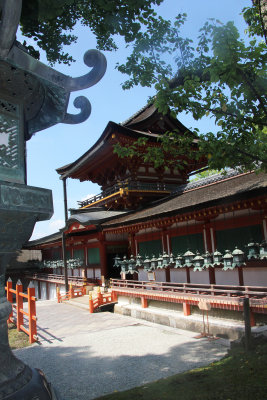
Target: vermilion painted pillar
[186, 309]
[144, 302]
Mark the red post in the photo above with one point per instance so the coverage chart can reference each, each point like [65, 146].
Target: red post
[32, 313]
[58, 295]
[114, 296]
[186, 309]
[91, 304]
[144, 302]
[99, 297]
[19, 301]
[71, 291]
[9, 297]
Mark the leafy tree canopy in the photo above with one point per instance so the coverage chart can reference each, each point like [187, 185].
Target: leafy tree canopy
[221, 77]
[50, 22]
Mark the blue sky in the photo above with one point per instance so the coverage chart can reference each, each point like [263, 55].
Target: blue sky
[62, 144]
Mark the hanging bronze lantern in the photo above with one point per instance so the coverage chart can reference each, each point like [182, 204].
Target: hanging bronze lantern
[179, 261]
[117, 261]
[238, 258]
[165, 259]
[139, 261]
[217, 258]
[207, 260]
[153, 262]
[263, 250]
[147, 264]
[198, 262]
[132, 265]
[253, 250]
[124, 265]
[160, 262]
[189, 257]
[228, 260]
[171, 260]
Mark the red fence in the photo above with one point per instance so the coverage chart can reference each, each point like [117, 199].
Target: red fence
[71, 294]
[18, 308]
[218, 296]
[101, 298]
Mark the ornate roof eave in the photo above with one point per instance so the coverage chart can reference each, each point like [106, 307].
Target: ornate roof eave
[71, 170]
[53, 87]
[68, 170]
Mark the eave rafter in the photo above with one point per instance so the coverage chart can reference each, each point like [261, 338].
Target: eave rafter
[205, 215]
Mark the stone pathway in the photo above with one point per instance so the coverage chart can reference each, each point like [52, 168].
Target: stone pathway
[88, 355]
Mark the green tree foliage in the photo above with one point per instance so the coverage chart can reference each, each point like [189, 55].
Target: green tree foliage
[221, 77]
[50, 22]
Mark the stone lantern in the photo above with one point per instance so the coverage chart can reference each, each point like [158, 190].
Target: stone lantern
[33, 97]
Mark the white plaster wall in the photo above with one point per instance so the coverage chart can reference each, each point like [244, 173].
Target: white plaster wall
[90, 273]
[62, 289]
[178, 275]
[255, 276]
[199, 277]
[229, 277]
[98, 273]
[160, 275]
[142, 275]
[75, 272]
[43, 291]
[52, 291]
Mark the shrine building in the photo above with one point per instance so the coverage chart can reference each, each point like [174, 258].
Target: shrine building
[154, 224]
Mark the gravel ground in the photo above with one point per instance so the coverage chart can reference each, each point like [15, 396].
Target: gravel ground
[88, 355]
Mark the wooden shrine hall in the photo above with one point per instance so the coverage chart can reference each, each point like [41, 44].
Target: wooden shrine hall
[153, 224]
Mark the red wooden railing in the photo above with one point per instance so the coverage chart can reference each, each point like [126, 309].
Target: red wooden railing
[99, 300]
[189, 294]
[71, 294]
[94, 303]
[18, 307]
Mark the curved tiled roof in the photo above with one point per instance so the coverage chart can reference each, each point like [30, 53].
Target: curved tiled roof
[198, 195]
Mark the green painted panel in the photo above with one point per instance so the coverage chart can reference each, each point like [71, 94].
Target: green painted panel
[78, 253]
[150, 247]
[56, 254]
[240, 237]
[194, 242]
[68, 257]
[93, 256]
